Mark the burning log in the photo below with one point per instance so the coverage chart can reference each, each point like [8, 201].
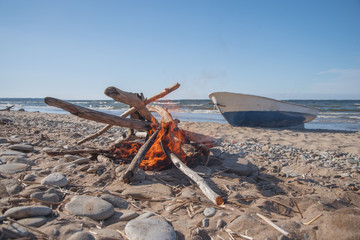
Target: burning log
[162, 94]
[98, 116]
[129, 173]
[209, 193]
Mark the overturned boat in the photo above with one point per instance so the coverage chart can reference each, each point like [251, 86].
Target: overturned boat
[255, 111]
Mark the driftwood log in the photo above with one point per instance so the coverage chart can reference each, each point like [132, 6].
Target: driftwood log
[8, 108]
[204, 187]
[162, 94]
[98, 116]
[131, 99]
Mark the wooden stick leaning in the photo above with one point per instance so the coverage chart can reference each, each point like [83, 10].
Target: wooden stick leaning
[204, 187]
[162, 94]
[98, 116]
[268, 221]
[130, 171]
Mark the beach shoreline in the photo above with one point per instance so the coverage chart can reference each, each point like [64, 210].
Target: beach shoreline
[257, 171]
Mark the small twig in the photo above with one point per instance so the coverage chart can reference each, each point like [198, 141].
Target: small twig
[238, 234]
[298, 208]
[229, 232]
[313, 220]
[268, 221]
[122, 234]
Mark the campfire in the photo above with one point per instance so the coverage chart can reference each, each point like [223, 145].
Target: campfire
[166, 144]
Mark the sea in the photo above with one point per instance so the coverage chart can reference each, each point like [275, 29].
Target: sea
[340, 115]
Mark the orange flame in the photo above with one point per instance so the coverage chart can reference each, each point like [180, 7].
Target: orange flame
[155, 159]
[172, 137]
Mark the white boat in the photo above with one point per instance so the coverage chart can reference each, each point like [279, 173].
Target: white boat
[255, 111]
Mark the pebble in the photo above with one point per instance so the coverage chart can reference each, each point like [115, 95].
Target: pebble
[12, 168]
[55, 179]
[3, 140]
[238, 165]
[149, 228]
[29, 177]
[23, 160]
[89, 206]
[22, 147]
[205, 222]
[209, 212]
[105, 234]
[50, 196]
[220, 224]
[11, 186]
[18, 229]
[33, 221]
[203, 170]
[27, 211]
[115, 201]
[188, 193]
[81, 236]
[128, 215]
[12, 153]
[290, 171]
[2, 218]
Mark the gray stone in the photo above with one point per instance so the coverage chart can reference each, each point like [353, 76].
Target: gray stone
[12, 186]
[148, 191]
[203, 170]
[30, 177]
[2, 218]
[353, 161]
[89, 206]
[107, 234]
[24, 160]
[22, 147]
[128, 215]
[220, 224]
[239, 166]
[290, 171]
[150, 228]
[209, 212]
[139, 175]
[82, 236]
[12, 153]
[205, 222]
[27, 211]
[115, 201]
[70, 157]
[12, 168]
[188, 193]
[55, 179]
[33, 221]
[18, 229]
[50, 197]
[3, 140]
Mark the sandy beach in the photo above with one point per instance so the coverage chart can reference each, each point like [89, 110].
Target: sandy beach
[305, 181]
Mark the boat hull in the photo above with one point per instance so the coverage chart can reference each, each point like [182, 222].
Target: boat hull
[255, 111]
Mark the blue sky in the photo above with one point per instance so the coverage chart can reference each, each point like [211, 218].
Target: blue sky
[282, 49]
